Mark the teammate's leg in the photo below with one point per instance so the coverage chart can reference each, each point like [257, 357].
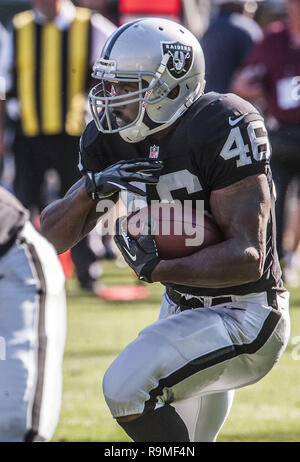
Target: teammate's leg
[47, 396]
[33, 323]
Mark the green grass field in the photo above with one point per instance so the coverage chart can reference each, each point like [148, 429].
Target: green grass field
[98, 330]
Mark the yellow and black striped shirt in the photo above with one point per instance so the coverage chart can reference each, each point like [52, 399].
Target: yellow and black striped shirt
[51, 73]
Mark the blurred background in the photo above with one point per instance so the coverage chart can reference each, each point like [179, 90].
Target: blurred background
[265, 10]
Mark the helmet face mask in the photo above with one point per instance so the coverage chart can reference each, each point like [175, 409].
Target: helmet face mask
[104, 100]
[157, 55]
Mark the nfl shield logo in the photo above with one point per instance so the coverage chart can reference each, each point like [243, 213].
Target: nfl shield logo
[154, 152]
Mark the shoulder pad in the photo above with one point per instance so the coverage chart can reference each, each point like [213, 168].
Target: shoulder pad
[89, 136]
[211, 119]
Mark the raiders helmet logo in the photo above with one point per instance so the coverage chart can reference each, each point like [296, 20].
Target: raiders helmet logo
[181, 58]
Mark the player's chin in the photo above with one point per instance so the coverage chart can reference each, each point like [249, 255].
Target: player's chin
[120, 122]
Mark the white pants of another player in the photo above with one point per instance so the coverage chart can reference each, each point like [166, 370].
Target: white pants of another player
[33, 326]
[195, 358]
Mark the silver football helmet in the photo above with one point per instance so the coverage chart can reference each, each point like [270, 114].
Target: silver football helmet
[159, 56]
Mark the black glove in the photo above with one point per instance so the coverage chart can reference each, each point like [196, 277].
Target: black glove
[140, 254]
[118, 176]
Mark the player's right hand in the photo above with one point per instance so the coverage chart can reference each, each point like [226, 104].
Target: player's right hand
[140, 254]
[119, 176]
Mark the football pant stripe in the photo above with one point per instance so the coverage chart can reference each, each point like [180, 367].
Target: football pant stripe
[211, 359]
[42, 341]
[110, 44]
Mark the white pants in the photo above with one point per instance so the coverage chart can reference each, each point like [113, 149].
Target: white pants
[193, 358]
[33, 329]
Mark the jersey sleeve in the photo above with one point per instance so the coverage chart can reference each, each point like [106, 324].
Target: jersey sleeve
[239, 148]
[90, 159]
[243, 152]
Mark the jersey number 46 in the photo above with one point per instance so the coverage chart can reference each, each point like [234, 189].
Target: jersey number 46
[236, 147]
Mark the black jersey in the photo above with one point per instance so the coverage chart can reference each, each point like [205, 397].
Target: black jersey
[220, 140]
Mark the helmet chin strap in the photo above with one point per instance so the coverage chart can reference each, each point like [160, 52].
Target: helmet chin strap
[135, 133]
[140, 130]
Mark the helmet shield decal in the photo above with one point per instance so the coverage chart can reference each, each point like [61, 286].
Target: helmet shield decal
[181, 58]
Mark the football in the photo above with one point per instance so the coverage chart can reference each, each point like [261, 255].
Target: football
[178, 231]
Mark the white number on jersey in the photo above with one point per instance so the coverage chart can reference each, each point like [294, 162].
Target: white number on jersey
[260, 143]
[166, 184]
[177, 180]
[236, 147]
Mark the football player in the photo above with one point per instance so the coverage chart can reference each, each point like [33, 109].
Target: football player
[224, 319]
[32, 328]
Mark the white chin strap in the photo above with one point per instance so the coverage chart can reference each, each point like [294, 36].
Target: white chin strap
[135, 133]
[140, 130]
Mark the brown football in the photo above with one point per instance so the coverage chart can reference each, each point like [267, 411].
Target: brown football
[178, 231]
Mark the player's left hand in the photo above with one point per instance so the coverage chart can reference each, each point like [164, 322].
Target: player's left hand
[140, 254]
